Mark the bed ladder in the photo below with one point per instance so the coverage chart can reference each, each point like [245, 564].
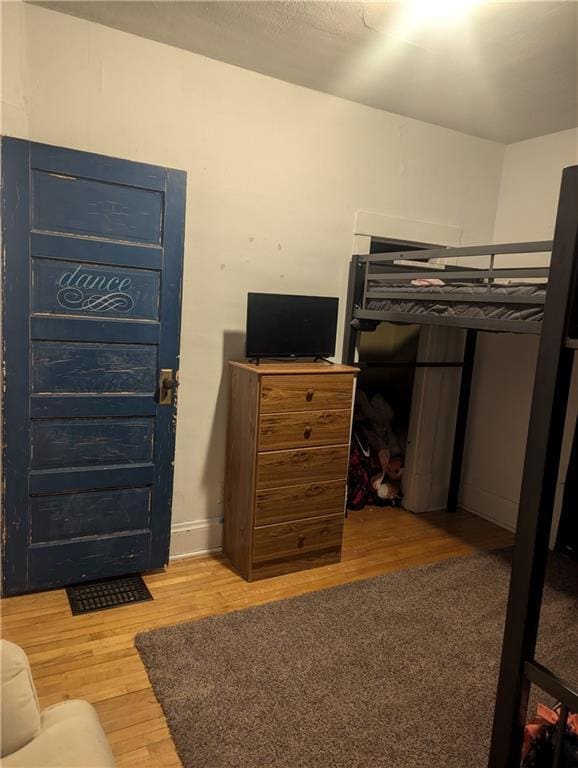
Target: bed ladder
[519, 669]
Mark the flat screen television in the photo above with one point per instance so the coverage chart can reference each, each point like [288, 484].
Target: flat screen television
[281, 325]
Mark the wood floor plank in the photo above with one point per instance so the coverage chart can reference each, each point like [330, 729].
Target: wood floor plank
[94, 657]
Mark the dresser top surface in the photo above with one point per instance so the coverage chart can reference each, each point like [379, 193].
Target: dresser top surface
[289, 367]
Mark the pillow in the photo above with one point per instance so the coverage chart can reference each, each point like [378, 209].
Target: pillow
[20, 721]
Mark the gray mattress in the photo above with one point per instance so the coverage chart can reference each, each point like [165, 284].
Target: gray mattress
[437, 300]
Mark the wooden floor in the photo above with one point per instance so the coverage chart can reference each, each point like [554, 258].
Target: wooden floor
[93, 656]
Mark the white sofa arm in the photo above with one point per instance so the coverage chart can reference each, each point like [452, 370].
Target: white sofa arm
[71, 736]
[20, 720]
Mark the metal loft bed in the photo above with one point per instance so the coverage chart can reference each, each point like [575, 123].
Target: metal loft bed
[422, 287]
[553, 315]
[389, 287]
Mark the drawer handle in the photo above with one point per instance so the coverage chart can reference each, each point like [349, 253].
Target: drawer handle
[307, 431]
[309, 395]
[300, 541]
[298, 457]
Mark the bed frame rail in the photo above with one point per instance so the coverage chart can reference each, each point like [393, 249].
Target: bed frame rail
[403, 267]
[537, 246]
[397, 269]
[551, 684]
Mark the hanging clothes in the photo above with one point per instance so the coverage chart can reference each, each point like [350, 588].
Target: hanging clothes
[377, 454]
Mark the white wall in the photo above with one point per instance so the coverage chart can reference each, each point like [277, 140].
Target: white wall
[276, 173]
[505, 364]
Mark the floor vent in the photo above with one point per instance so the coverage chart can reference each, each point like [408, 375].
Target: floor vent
[108, 593]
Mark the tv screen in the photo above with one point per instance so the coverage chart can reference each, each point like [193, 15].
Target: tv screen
[279, 325]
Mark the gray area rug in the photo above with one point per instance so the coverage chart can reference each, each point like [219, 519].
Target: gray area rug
[397, 671]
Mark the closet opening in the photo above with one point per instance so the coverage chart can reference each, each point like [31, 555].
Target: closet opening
[387, 356]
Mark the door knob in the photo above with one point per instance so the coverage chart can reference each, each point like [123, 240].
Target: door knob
[168, 384]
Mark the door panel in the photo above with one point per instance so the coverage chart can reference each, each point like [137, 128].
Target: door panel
[69, 204]
[88, 559]
[81, 479]
[89, 405]
[92, 290]
[88, 513]
[55, 246]
[83, 329]
[91, 442]
[75, 367]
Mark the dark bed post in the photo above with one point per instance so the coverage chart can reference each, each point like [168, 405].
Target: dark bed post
[462, 420]
[551, 387]
[354, 298]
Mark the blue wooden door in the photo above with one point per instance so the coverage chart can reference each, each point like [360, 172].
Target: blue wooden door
[93, 252]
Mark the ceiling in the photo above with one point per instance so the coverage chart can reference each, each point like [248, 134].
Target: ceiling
[506, 71]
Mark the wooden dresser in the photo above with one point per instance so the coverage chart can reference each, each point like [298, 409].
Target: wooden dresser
[287, 454]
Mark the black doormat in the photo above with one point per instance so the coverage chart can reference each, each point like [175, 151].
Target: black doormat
[107, 593]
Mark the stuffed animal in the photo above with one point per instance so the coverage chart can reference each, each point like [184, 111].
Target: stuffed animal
[386, 486]
[382, 417]
[389, 490]
[394, 468]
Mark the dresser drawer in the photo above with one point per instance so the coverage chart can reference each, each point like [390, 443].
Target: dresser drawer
[269, 568]
[287, 540]
[299, 429]
[279, 468]
[306, 393]
[294, 502]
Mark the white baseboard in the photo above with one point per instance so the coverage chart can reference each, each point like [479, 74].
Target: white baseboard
[489, 517]
[198, 537]
[502, 512]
